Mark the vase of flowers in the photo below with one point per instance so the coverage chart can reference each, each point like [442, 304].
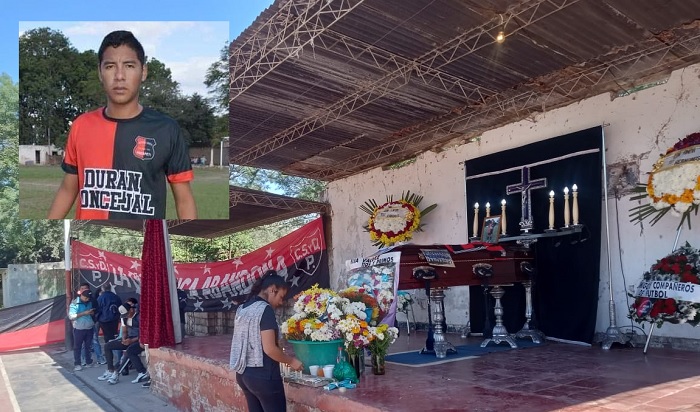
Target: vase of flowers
[381, 337]
[660, 295]
[311, 330]
[355, 310]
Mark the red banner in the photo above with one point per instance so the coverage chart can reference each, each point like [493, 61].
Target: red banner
[300, 258]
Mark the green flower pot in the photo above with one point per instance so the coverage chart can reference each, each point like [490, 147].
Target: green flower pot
[316, 353]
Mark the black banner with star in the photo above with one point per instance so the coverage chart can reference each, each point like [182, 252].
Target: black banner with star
[300, 257]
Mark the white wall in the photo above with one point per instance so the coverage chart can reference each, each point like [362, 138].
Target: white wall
[27, 154]
[640, 128]
[31, 282]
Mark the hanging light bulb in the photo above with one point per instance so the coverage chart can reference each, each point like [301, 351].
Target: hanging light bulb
[500, 37]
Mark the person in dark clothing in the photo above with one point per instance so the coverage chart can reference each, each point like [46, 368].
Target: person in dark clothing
[129, 342]
[108, 313]
[255, 354]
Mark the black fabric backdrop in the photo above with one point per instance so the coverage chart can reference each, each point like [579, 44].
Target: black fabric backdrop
[566, 295]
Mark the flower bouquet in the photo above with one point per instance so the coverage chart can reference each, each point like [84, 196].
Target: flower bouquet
[673, 184]
[404, 301]
[354, 310]
[311, 320]
[380, 338]
[311, 330]
[394, 221]
[660, 295]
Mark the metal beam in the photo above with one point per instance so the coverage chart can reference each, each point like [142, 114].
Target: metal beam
[587, 82]
[277, 202]
[284, 35]
[466, 43]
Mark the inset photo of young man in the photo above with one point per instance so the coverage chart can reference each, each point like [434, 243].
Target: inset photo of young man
[123, 120]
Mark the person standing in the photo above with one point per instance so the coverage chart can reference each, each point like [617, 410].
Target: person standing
[255, 353]
[108, 312]
[80, 314]
[118, 157]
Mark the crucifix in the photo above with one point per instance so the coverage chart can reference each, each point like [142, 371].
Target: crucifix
[524, 188]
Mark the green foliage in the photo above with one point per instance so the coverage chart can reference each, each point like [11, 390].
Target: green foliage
[217, 81]
[276, 182]
[197, 119]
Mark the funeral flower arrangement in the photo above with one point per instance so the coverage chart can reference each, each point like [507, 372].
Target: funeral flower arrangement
[324, 315]
[673, 184]
[404, 301]
[311, 320]
[377, 282]
[355, 310]
[681, 266]
[394, 221]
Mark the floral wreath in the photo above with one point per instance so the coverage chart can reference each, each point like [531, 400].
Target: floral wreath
[673, 184]
[394, 221]
[682, 266]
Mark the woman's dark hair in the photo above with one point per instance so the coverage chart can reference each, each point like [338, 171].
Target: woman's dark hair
[270, 278]
[122, 38]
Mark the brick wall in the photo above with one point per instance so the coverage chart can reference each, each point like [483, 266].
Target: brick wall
[209, 323]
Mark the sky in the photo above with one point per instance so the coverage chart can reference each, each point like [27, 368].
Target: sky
[187, 48]
[192, 25]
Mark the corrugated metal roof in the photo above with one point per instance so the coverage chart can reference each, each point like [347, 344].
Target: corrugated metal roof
[390, 79]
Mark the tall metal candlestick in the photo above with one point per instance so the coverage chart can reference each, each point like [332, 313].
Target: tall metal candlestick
[567, 214]
[503, 217]
[551, 210]
[476, 220]
[574, 206]
[488, 209]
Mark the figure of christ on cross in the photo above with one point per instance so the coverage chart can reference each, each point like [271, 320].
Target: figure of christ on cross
[524, 188]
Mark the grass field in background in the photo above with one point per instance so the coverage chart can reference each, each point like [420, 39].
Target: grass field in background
[38, 186]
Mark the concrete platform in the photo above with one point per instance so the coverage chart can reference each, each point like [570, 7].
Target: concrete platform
[556, 377]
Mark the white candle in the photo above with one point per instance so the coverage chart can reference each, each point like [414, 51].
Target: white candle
[567, 215]
[551, 210]
[488, 209]
[503, 217]
[574, 206]
[476, 220]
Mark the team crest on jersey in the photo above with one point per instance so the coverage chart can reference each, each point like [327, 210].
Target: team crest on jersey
[145, 148]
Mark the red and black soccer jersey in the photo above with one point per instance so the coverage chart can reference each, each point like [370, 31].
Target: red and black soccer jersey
[122, 164]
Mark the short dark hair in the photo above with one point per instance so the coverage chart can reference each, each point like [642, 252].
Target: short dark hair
[122, 38]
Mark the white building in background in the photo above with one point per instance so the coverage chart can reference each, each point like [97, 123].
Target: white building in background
[639, 128]
[39, 154]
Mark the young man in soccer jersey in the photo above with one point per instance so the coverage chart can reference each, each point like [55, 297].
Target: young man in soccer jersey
[118, 157]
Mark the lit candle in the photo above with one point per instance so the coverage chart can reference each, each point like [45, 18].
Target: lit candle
[503, 217]
[476, 220]
[551, 210]
[488, 209]
[567, 215]
[574, 206]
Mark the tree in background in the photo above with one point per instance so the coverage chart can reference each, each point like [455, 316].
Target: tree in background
[217, 81]
[44, 67]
